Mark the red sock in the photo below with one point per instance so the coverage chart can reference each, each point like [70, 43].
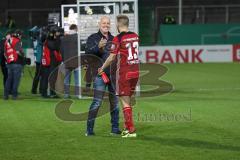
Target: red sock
[128, 124]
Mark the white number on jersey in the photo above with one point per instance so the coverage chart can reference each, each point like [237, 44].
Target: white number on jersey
[132, 50]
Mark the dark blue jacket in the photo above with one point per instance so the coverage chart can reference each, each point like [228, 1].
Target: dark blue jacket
[92, 46]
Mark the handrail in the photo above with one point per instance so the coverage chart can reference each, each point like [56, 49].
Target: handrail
[32, 9]
[200, 6]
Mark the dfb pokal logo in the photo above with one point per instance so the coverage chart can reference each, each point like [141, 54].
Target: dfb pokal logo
[150, 82]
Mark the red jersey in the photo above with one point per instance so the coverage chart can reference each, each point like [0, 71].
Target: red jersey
[125, 46]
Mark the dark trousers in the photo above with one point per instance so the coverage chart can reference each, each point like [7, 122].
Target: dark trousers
[49, 75]
[90, 75]
[36, 78]
[44, 80]
[53, 79]
[99, 90]
[5, 74]
[13, 80]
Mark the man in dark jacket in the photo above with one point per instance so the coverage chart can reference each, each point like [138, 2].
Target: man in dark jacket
[69, 51]
[2, 57]
[98, 44]
[37, 49]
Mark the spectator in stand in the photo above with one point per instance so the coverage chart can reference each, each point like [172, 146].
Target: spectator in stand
[169, 19]
[10, 23]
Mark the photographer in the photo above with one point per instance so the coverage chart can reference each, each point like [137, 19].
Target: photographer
[3, 58]
[38, 49]
[15, 60]
[51, 58]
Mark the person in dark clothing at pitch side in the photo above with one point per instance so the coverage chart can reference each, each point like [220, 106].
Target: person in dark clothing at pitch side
[15, 60]
[2, 57]
[51, 58]
[10, 23]
[37, 49]
[98, 44]
[69, 51]
[169, 19]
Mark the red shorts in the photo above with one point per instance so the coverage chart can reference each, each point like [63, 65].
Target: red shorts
[126, 86]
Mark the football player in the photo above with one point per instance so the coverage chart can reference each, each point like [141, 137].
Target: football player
[125, 49]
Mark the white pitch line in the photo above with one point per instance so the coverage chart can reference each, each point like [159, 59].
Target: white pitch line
[211, 89]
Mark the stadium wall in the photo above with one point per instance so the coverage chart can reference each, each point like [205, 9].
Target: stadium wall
[195, 34]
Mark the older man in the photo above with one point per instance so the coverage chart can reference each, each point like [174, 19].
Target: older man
[98, 44]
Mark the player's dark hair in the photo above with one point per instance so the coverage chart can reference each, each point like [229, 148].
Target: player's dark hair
[73, 27]
[123, 20]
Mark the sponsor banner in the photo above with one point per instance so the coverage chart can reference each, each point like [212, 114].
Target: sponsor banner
[181, 54]
[236, 53]
[186, 54]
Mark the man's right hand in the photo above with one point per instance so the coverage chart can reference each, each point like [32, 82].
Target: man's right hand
[102, 43]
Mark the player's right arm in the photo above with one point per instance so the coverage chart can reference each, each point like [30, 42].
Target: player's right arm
[107, 63]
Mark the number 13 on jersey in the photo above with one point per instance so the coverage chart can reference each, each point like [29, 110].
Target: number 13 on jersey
[132, 50]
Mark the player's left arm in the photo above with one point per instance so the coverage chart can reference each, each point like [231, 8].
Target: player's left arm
[107, 63]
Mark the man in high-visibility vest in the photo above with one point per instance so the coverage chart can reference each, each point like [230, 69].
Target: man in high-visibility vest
[51, 58]
[15, 60]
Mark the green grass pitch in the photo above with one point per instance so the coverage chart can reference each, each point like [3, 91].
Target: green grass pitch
[198, 120]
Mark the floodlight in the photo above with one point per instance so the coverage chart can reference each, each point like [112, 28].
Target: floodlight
[107, 9]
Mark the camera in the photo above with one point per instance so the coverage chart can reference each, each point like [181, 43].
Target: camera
[26, 61]
[38, 33]
[53, 29]
[34, 33]
[45, 32]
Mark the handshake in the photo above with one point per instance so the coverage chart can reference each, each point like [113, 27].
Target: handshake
[102, 43]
